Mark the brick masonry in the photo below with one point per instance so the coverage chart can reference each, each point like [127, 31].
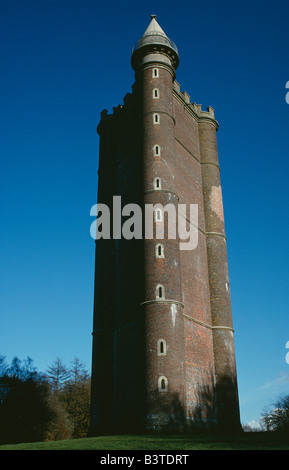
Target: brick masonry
[193, 383]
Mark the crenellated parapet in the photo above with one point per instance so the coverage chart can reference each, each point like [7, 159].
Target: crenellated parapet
[194, 109]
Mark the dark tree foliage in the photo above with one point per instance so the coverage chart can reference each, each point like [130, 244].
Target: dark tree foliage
[36, 407]
[24, 408]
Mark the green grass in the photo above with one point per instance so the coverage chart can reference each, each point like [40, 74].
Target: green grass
[245, 441]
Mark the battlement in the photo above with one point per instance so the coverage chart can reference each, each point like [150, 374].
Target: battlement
[194, 108]
[116, 110]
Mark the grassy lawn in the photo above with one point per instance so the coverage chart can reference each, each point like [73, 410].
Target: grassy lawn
[245, 441]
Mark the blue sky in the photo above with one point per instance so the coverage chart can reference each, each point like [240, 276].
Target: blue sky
[62, 62]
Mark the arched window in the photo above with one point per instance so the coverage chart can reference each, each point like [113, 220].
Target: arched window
[161, 347]
[155, 73]
[163, 384]
[160, 252]
[160, 291]
[156, 93]
[158, 215]
[157, 150]
[157, 183]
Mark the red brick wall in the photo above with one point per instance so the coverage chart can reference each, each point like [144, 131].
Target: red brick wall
[129, 319]
[199, 356]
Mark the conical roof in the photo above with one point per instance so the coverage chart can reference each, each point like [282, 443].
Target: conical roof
[154, 34]
[154, 28]
[155, 39]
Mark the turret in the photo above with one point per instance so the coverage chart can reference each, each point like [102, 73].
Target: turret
[154, 47]
[155, 60]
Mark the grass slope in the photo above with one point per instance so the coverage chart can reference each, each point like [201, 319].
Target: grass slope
[246, 441]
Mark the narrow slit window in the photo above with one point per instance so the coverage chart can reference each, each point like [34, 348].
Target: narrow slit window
[162, 347]
[156, 118]
[157, 150]
[163, 384]
[160, 251]
[160, 292]
[158, 215]
[156, 93]
[157, 183]
[155, 73]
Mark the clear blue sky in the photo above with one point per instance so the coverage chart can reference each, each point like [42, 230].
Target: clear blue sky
[62, 62]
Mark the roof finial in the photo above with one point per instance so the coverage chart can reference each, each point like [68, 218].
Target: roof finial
[153, 17]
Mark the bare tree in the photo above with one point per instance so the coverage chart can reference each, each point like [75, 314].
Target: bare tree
[57, 375]
[76, 398]
[277, 419]
[70, 398]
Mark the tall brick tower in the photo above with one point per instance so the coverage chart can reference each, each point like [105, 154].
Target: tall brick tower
[163, 347]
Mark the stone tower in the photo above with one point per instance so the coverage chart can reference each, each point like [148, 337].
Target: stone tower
[163, 346]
